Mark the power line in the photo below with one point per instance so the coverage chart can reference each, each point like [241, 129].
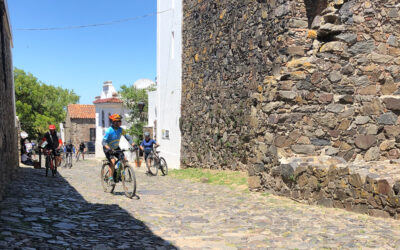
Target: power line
[94, 25]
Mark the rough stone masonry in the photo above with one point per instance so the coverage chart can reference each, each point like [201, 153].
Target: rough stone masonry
[264, 81]
[8, 130]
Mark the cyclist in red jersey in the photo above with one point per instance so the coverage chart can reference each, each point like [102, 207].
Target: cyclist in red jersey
[53, 143]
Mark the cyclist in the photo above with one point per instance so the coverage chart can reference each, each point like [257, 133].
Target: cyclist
[147, 146]
[69, 150]
[53, 143]
[111, 142]
[82, 149]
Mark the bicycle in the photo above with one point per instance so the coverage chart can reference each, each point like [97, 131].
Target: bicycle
[50, 163]
[68, 160]
[62, 157]
[156, 162]
[122, 172]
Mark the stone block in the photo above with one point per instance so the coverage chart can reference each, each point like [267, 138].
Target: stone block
[254, 182]
[303, 149]
[372, 154]
[355, 180]
[365, 141]
[384, 187]
[388, 118]
[379, 213]
[392, 103]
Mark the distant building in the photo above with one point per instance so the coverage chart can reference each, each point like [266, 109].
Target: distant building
[80, 124]
[167, 109]
[106, 104]
[144, 83]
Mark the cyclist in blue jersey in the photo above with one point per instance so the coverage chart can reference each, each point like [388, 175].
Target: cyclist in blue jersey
[147, 146]
[111, 142]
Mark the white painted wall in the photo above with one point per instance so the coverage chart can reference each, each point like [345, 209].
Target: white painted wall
[169, 71]
[108, 109]
[152, 109]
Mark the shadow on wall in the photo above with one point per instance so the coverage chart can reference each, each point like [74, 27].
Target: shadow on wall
[48, 213]
[314, 8]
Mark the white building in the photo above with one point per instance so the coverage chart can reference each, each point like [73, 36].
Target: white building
[144, 83]
[106, 104]
[169, 71]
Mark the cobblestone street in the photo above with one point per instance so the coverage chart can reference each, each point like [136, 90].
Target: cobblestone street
[72, 211]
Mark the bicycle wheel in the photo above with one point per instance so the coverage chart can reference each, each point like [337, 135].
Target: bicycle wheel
[105, 173]
[152, 167]
[163, 166]
[128, 181]
[63, 162]
[70, 161]
[47, 165]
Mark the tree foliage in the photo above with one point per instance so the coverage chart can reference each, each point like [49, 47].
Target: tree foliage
[39, 104]
[131, 96]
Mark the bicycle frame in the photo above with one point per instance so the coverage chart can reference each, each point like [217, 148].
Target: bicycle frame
[52, 158]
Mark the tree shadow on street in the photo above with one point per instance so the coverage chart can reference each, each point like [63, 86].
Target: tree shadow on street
[48, 213]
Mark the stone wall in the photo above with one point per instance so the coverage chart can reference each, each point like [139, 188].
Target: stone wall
[78, 130]
[266, 81]
[372, 188]
[269, 78]
[8, 131]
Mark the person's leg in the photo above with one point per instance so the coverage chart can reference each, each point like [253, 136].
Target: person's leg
[111, 160]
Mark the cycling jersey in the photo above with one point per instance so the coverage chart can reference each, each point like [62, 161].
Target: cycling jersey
[69, 148]
[52, 140]
[113, 136]
[148, 145]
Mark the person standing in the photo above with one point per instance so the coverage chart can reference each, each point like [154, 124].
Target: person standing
[82, 150]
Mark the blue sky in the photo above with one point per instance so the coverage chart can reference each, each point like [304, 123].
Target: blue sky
[82, 59]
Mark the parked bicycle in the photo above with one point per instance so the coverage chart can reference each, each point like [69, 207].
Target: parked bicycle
[156, 162]
[50, 163]
[123, 172]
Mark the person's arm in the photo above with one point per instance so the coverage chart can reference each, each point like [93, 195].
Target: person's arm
[129, 139]
[142, 146]
[104, 141]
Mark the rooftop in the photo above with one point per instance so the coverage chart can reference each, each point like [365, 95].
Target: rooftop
[82, 111]
[108, 100]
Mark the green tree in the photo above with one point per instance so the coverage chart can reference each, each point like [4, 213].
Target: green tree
[39, 104]
[131, 96]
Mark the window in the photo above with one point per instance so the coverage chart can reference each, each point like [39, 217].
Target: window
[165, 134]
[102, 119]
[92, 134]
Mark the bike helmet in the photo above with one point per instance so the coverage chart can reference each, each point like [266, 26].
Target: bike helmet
[115, 117]
[146, 134]
[52, 127]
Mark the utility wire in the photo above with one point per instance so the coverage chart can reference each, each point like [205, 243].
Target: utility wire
[94, 25]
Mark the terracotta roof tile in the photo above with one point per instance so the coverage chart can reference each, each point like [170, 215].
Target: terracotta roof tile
[108, 100]
[82, 111]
